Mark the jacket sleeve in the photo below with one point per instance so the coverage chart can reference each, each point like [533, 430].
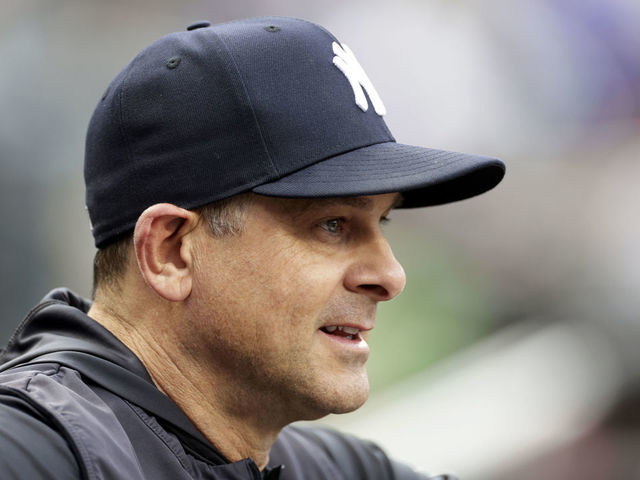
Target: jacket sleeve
[30, 449]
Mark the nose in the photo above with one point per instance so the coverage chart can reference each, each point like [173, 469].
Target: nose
[375, 272]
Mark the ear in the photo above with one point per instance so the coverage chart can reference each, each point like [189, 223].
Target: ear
[163, 252]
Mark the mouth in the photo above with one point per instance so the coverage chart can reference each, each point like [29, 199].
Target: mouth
[345, 332]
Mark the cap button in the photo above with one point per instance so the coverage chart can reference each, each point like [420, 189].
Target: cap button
[201, 24]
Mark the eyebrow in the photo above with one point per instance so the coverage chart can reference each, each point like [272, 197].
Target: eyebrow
[363, 203]
[304, 205]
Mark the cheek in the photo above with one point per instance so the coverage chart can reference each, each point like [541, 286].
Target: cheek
[306, 280]
[289, 274]
[272, 293]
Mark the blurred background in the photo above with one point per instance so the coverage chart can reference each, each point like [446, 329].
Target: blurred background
[513, 352]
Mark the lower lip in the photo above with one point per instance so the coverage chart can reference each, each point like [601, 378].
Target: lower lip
[358, 343]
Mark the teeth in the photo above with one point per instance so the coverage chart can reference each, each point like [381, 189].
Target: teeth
[349, 330]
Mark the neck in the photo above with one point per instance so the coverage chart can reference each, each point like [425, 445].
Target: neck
[238, 426]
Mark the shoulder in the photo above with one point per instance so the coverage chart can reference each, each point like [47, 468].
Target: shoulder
[54, 420]
[30, 447]
[305, 449]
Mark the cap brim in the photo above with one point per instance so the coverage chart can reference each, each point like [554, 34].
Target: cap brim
[425, 176]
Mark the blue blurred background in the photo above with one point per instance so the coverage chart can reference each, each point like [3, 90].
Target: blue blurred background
[513, 352]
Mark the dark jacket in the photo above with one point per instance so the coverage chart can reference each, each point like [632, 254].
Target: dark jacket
[77, 403]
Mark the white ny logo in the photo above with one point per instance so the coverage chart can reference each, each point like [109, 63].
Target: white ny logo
[346, 61]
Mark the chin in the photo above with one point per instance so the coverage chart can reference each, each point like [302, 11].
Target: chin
[343, 398]
[347, 408]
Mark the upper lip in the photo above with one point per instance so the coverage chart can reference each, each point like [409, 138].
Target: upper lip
[363, 327]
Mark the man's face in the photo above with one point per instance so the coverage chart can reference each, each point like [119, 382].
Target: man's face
[281, 313]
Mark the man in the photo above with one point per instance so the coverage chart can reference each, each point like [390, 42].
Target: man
[237, 176]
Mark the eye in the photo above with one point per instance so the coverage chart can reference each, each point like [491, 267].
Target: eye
[332, 225]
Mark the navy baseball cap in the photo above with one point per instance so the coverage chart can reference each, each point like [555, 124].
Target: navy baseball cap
[273, 105]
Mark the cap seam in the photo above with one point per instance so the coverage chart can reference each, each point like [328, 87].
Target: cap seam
[249, 100]
[392, 140]
[125, 138]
